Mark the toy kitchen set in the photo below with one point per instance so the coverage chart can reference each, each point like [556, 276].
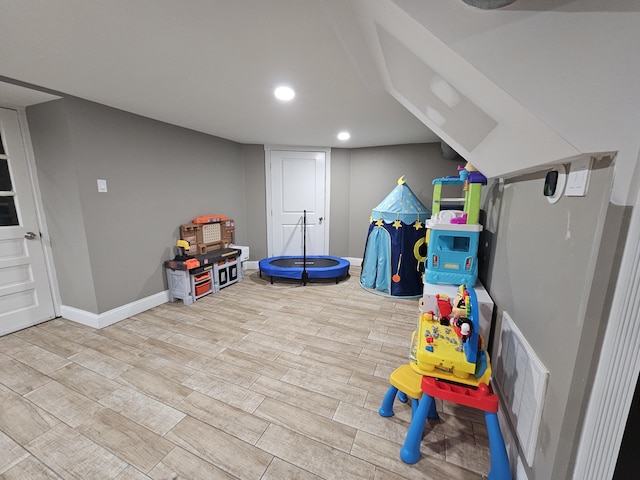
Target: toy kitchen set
[206, 259]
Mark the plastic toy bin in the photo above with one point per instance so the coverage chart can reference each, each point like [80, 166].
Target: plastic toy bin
[201, 276]
[203, 288]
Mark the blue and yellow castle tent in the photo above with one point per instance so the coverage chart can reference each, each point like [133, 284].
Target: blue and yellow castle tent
[395, 250]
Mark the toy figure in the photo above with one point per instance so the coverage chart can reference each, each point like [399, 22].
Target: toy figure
[463, 328]
[459, 307]
[444, 308]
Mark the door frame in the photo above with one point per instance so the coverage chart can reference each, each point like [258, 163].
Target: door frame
[39, 206]
[618, 369]
[269, 194]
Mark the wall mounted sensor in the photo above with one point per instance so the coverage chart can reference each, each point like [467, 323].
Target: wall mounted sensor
[554, 183]
[550, 183]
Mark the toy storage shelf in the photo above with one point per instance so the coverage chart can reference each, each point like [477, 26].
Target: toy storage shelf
[189, 286]
[201, 284]
[226, 273]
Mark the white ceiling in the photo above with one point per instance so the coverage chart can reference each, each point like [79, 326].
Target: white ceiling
[212, 65]
[535, 83]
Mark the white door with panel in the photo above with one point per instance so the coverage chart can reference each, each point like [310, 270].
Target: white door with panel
[25, 293]
[297, 182]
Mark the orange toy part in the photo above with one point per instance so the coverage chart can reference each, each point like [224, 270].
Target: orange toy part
[210, 218]
[192, 263]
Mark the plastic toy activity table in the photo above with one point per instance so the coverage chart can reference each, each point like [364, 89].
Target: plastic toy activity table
[453, 366]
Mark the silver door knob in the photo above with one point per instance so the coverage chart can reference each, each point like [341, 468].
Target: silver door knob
[320, 220]
[30, 236]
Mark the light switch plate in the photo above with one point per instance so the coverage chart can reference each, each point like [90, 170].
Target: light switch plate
[102, 185]
[578, 178]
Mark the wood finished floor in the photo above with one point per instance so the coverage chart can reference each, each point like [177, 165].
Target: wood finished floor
[258, 381]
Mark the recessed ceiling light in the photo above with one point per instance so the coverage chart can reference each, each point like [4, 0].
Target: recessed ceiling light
[284, 93]
[344, 136]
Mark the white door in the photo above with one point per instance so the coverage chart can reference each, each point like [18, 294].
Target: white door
[297, 181]
[25, 294]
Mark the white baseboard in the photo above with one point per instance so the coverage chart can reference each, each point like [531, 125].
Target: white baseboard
[115, 315]
[356, 262]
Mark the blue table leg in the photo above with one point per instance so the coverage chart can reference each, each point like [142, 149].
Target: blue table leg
[386, 409]
[410, 451]
[402, 397]
[433, 413]
[414, 406]
[500, 469]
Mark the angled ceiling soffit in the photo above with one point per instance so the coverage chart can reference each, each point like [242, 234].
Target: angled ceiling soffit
[478, 119]
[432, 95]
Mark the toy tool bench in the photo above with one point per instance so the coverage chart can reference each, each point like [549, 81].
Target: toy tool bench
[213, 264]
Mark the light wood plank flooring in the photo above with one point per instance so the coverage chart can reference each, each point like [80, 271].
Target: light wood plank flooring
[258, 381]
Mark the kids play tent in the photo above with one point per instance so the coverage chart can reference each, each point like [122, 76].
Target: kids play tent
[395, 251]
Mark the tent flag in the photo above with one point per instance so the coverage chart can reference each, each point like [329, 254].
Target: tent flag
[395, 249]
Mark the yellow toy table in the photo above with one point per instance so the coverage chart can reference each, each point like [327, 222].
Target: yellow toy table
[441, 351]
[437, 351]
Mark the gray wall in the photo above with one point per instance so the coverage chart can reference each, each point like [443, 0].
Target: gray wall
[542, 271]
[538, 260]
[60, 192]
[159, 176]
[374, 173]
[109, 247]
[360, 179]
[255, 201]
[340, 202]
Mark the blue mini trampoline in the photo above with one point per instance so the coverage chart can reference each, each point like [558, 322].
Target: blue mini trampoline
[305, 267]
[315, 266]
